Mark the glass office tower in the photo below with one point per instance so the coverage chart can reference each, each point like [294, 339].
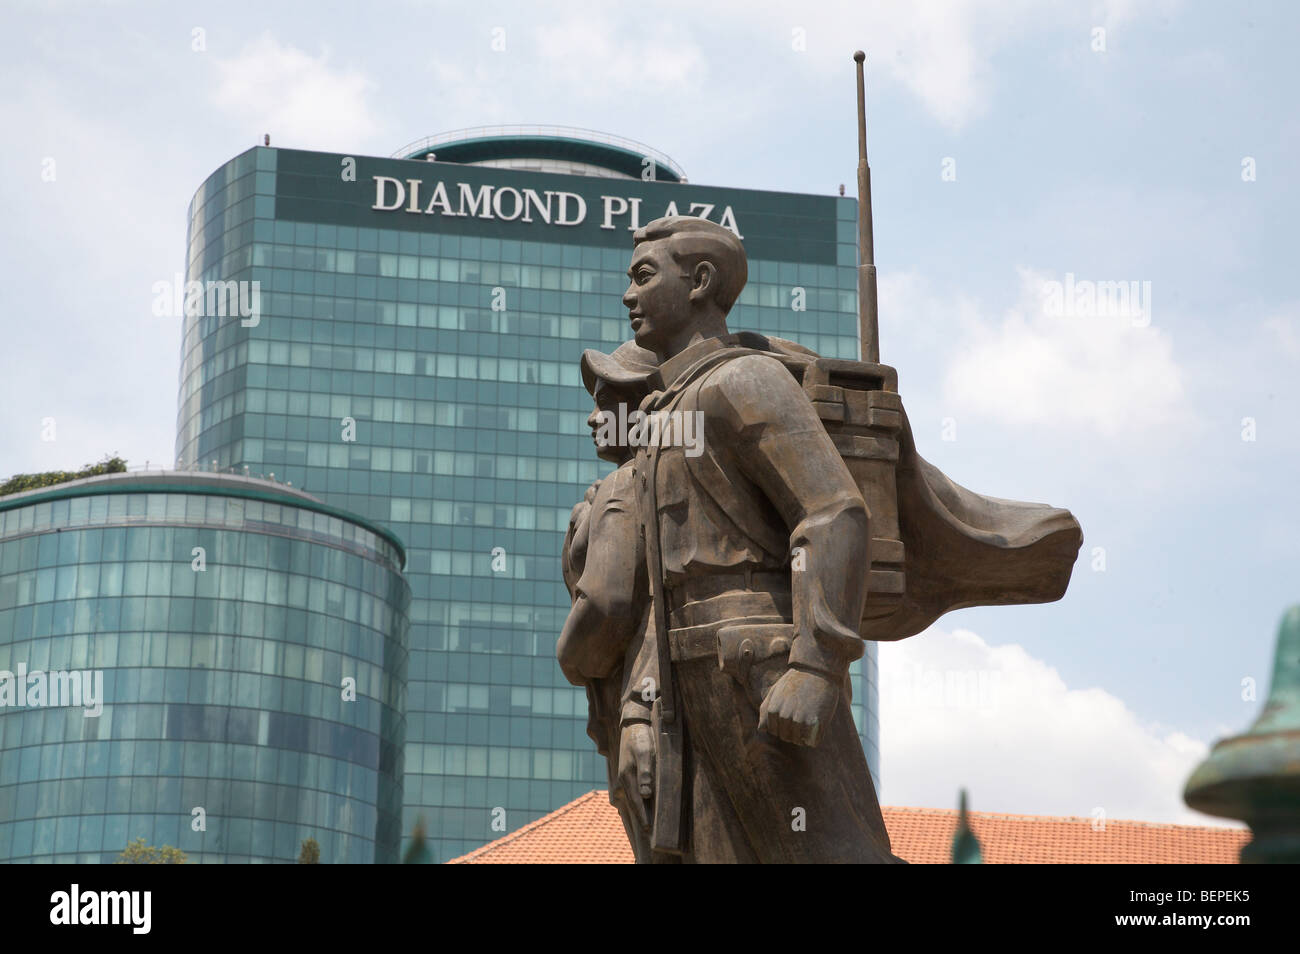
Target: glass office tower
[210, 662]
[415, 361]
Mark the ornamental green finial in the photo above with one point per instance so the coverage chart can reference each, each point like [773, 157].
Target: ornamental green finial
[418, 853]
[965, 846]
[1255, 776]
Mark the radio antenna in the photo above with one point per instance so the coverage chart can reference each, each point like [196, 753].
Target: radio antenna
[868, 307]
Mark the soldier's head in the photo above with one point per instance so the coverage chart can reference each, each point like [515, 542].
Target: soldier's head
[621, 378]
[686, 273]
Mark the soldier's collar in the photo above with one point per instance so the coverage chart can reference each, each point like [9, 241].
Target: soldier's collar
[682, 362]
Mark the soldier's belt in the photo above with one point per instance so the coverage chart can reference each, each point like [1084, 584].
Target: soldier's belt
[708, 599]
[701, 642]
[732, 606]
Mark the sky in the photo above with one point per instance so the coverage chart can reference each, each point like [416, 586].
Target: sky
[1013, 145]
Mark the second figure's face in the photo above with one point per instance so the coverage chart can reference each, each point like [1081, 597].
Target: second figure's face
[603, 421]
[658, 296]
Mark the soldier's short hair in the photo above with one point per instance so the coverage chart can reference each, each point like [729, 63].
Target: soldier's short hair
[694, 240]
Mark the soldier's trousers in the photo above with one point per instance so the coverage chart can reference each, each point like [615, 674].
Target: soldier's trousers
[750, 797]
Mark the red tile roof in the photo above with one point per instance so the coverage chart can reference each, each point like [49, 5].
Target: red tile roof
[585, 831]
[588, 831]
[924, 836]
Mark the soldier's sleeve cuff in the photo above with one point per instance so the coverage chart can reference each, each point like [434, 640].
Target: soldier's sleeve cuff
[635, 711]
[815, 658]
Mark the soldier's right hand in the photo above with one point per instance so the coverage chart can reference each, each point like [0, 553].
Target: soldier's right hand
[636, 767]
[799, 707]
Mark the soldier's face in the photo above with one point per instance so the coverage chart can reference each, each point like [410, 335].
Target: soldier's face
[603, 421]
[657, 298]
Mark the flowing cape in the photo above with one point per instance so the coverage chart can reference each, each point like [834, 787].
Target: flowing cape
[966, 549]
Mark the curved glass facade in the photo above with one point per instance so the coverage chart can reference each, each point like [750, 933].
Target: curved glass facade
[246, 647]
[451, 344]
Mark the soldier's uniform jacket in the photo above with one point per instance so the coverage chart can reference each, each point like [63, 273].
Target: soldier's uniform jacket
[763, 542]
[768, 484]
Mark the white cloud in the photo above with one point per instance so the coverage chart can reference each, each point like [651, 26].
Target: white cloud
[581, 48]
[945, 54]
[913, 316]
[959, 713]
[1104, 375]
[469, 93]
[941, 51]
[301, 100]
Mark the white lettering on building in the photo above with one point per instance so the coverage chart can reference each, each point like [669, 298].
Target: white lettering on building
[527, 205]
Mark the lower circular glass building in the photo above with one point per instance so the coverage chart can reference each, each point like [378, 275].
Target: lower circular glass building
[212, 662]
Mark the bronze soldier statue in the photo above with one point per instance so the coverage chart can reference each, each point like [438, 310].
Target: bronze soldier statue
[755, 553]
[783, 514]
[757, 547]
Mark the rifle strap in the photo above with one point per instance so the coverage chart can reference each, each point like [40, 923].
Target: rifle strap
[666, 835]
[658, 598]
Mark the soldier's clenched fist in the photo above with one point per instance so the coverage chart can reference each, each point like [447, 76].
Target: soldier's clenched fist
[799, 707]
